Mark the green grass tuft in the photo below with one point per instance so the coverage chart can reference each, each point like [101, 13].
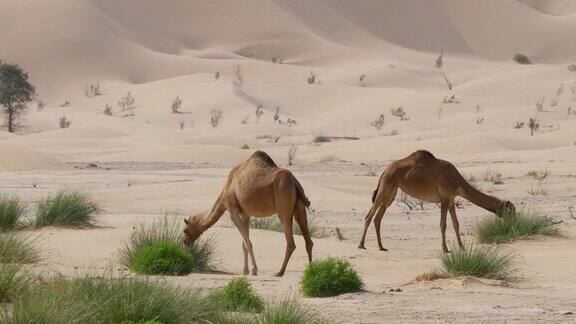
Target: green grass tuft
[166, 231]
[274, 224]
[66, 208]
[11, 210]
[163, 258]
[329, 277]
[479, 261]
[321, 139]
[521, 58]
[13, 281]
[237, 296]
[18, 249]
[107, 300]
[513, 226]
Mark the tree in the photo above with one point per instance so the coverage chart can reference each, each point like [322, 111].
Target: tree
[15, 93]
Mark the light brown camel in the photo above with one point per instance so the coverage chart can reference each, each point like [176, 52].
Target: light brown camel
[425, 177]
[257, 188]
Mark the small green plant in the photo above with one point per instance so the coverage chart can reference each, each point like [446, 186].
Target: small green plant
[533, 174]
[107, 300]
[11, 210]
[370, 174]
[163, 258]
[321, 139]
[329, 277]
[513, 226]
[18, 249]
[66, 208]
[245, 147]
[479, 261]
[288, 311]
[237, 296]
[521, 58]
[166, 230]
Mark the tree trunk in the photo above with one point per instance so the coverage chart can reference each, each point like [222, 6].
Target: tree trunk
[10, 118]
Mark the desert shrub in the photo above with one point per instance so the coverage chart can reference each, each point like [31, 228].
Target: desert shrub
[108, 110]
[521, 58]
[64, 122]
[288, 311]
[245, 147]
[66, 208]
[274, 224]
[107, 300]
[329, 277]
[176, 105]
[532, 174]
[513, 226]
[292, 154]
[11, 210]
[237, 296]
[127, 105]
[379, 122]
[163, 258]
[216, 117]
[93, 89]
[13, 281]
[479, 261]
[18, 249]
[321, 139]
[166, 230]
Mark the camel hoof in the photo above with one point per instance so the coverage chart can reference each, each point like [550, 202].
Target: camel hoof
[383, 249]
[361, 247]
[254, 272]
[279, 274]
[245, 273]
[446, 251]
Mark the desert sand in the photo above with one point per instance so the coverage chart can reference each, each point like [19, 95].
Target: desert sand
[155, 162]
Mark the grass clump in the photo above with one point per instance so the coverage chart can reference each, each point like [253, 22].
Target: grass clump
[513, 226]
[66, 208]
[18, 249]
[237, 296]
[11, 210]
[329, 277]
[163, 233]
[12, 282]
[479, 261]
[107, 300]
[274, 224]
[521, 58]
[163, 258]
[288, 311]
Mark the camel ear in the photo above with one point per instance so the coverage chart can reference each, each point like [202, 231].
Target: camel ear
[186, 221]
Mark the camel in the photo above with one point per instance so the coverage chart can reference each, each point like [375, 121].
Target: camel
[425, 177]
[259, 188]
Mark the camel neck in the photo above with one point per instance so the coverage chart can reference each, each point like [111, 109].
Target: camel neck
[478, 198]
[211, 217]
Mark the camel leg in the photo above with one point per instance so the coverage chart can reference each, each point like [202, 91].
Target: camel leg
[378, 219]
[443, 214]
[285, 196]
[246, 271]
[367, 221]
[456, 225]
[243, 226]
[302, 220]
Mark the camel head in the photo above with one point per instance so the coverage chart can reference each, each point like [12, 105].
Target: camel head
[193, 228]
[506, 209]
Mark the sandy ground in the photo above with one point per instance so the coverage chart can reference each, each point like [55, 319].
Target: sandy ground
[158, 161]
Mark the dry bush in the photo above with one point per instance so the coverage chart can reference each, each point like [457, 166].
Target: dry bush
[291, 154]
[277, 115]
[216, 117]
[533, 125]
[379, 122]
[217, 76]
[176, 105]
[127, 105]
[244, 120]
[540, 104]
[519, 125]
[64, 122]
[108, 110]
[399, 112]
[259, 112]
[65, 104]
[181, 124]
[311, 78]
[238, 74]
[572, 67]
[440, 60]
[40, 105]
[450, 100]
[430, 276]
[447, 81]
[493, 176]
[275, 137]
[404, 200]
[362, 81]
[92, 90]
[277, 59]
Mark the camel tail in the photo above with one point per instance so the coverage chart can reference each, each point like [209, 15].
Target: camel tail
[300, 194]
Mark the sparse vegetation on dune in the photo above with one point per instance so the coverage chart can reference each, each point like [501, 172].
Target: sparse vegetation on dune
[321, 139]
[166, 232]
[66, 208]
[11, 211]
[330, 277]
[13, 281]
[479, 261]
[521, 58]
[513, 226]
[18, 249]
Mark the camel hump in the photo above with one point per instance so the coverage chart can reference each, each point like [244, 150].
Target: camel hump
[263, 156]
[423, 154]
